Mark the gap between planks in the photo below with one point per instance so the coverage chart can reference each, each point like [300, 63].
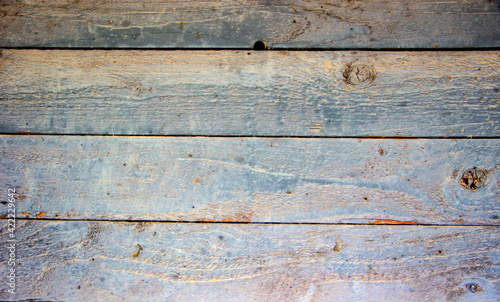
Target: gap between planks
[254, 223]
[260, 136]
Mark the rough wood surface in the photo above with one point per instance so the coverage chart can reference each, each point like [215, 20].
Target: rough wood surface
[71, 261]
[417, 94]
[254, 179]
[229, 24]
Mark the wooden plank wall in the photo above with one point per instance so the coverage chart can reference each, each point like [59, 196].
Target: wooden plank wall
[157, 155]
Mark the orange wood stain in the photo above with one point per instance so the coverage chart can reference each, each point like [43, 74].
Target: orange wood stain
[237, 218]
[206, 220]
[390, 221]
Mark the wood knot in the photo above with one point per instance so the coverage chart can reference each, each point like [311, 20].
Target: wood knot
[473, 288]
[357, 74]
[474, 178]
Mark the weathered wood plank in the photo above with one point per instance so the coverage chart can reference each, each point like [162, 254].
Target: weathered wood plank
[253, 179]
[417, 94]
[70, 261]
[229, 24]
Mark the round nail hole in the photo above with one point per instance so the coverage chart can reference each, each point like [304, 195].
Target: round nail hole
[259, 45]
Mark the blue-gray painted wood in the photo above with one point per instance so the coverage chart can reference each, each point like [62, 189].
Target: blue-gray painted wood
[232, 24]
[327, 94]
[73, 261]
[253, 179]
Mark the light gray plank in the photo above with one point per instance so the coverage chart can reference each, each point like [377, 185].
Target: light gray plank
[412, 94]
[252, 179]
[229, 24]
[72, 261]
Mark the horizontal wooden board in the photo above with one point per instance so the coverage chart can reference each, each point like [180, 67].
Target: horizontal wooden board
[326, 94]
[230, 24]
[253, 179]
[71, 261]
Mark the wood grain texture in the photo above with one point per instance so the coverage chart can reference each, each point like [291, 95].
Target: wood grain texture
[71, 261]
[327, 94]
[251, 179]
[230, 24]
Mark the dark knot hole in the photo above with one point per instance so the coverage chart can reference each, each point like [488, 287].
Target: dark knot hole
[259, 45]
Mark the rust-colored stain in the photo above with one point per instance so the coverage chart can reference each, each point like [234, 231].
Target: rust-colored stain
[390, 221]
[236, 218]
[4, 216]
[206, 220]
[26, 213]
[197, 180]
[21, 197]
[41, 214]
[459, 221]
[27, 132]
